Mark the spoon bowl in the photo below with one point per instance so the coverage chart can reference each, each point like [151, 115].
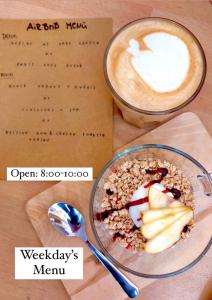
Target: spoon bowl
[67, 220]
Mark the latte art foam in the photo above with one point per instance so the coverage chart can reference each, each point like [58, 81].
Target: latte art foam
[155, 65]
[164, 65]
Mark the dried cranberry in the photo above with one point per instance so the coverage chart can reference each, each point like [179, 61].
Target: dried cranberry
[116, 236]
[109, 192]
[118, 200]
[176, 193]
[114, 170]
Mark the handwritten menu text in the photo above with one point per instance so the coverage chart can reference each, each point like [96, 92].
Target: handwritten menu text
[55, 107]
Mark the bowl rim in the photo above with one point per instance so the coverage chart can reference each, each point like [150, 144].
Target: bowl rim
[91, 213]
[151, 112]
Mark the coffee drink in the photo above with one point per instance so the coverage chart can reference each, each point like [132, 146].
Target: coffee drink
[154, 65]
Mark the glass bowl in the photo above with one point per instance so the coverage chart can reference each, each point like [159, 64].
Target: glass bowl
[184, 254]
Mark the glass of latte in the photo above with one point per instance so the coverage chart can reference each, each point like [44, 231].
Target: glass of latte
[154, 67]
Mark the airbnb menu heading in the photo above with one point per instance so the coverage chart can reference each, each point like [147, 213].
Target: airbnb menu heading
[55, 107]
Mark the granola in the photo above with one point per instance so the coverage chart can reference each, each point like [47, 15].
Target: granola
[124, 180]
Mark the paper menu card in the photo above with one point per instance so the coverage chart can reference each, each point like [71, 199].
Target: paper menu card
[56, 110]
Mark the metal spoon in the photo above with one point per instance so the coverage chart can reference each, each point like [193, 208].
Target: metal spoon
[70, 222]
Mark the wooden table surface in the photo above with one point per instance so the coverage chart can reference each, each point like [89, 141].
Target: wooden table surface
[16, 229]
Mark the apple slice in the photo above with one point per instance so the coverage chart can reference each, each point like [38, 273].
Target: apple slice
[157, 198]
[176, 203]
[170, 235]
[149, 230]
[154, 214]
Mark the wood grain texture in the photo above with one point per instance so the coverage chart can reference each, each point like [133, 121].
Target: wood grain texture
[185, 132]
[197, 16]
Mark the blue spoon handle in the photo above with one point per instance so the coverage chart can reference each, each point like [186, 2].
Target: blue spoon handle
[131, 290]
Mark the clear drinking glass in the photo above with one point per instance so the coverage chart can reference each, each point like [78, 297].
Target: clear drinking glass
[133, 114]
[186, 253]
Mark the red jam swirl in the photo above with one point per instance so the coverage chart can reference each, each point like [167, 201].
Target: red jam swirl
[100, 216]
[152, 182]
[137, 202]
[175, 192]
[162, 171]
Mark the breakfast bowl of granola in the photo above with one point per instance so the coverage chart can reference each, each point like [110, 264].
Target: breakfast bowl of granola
[150, 210]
